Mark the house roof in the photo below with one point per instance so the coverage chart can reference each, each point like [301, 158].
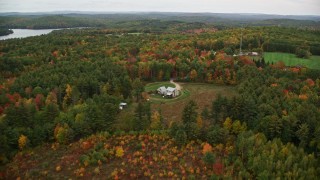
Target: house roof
[162, 88]
[171, 89]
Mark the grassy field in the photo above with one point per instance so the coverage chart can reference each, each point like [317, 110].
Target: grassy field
[292, 60]
[202, 94]
[159, 99]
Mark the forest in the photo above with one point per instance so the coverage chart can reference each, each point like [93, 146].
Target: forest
[4, 32]
[150, 21]
[60, 95]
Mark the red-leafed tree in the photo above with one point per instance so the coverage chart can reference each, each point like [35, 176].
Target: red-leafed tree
[218, 168]
[1, 110]
[39, 100]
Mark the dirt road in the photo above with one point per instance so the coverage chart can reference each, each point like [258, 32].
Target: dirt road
[178, 87]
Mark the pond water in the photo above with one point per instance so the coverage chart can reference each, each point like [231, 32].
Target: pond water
[23, 33]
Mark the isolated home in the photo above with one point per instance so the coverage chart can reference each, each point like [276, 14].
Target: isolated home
[168, 92]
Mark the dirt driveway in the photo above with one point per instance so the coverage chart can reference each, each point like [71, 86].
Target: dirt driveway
[178, 87]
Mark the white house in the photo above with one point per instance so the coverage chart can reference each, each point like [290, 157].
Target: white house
[169, 92]
[162, 90]
[172, 92]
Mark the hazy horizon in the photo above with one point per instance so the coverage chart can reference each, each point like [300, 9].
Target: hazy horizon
[138, 12]
[274, 7]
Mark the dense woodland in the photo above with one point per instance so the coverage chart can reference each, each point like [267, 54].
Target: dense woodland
[155, 22]
[67, 85]
[4, 32]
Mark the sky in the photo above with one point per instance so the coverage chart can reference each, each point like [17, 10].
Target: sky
[283, 7]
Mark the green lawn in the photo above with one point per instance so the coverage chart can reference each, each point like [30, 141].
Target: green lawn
[158, 99]
[291, 60]
[156, 85]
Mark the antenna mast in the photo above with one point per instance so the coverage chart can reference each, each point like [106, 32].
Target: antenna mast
[241, 43]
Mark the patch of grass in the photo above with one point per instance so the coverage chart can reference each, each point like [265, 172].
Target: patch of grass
[154, 86]
[291, 60]
[159, 99]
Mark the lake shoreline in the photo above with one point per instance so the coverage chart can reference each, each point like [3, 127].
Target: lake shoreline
[24, 33]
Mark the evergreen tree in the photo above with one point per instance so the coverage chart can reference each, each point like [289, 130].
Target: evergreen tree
[189, 118]
[138, 88]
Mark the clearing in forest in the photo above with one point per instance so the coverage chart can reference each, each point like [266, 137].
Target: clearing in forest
[171, 109]
[202, 94]
[291, 60]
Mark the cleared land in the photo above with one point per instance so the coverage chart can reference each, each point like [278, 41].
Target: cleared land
[291, 60]
[158, 99]
[171, 109]
[202, 94]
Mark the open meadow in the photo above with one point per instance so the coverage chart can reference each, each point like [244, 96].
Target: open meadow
[291, 60]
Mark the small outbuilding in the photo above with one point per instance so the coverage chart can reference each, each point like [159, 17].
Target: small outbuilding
[122, 105]
[254, 54]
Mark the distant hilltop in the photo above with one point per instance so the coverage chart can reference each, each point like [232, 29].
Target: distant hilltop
[232, 16]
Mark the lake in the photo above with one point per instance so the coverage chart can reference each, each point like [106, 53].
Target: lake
[23, 33]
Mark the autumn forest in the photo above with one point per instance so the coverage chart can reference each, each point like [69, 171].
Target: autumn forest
[239, 114]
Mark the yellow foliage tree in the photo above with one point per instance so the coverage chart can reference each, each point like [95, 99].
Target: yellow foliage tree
[79, 118]
[51, 98]
[155, 121]
[193, 74]
[199, 122]
[67, 98]
[237, 127]
[22, 141]
[105, 89]
[119, 151]
[227, 124]
[62, 133]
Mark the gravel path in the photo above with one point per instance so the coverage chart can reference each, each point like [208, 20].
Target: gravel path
[176, 84]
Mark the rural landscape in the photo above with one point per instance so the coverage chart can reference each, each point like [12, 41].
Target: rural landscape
[159, 95]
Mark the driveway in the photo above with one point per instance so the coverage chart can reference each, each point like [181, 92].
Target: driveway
[178, 87]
